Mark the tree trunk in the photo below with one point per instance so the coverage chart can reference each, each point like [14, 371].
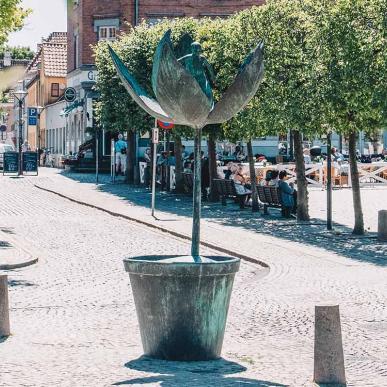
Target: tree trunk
[197, 196]
[359, 222]
[291, 146]
[302, 183]
[130, 156]
[253, 178]
[178, 165]
[214, 195]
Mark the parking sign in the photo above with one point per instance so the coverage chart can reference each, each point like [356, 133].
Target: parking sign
[32, 116]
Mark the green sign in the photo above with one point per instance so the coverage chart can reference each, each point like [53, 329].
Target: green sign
[11, 162]
[30, 162]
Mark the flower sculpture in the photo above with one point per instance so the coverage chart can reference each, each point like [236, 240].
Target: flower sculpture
[183, 92]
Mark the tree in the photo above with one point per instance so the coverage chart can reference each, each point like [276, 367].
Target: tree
[18, 52]
[351, 36]
[12, 17]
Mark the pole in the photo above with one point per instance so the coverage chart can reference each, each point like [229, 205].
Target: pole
[197, 196]
[113, 162]
[96, 156]
[38, 136]
[20, 137]
[4, 307]
[329, 182]
[154, 171]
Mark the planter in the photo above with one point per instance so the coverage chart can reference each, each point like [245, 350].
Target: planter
[182, 305]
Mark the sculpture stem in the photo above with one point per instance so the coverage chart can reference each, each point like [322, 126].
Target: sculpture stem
[197, 196]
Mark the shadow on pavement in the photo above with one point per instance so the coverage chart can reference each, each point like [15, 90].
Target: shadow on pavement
[313, 233]
[13, 283]
[173, 374]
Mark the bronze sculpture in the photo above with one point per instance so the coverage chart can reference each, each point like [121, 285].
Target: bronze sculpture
[184, 96]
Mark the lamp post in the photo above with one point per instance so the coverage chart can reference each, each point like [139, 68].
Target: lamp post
[20, 95]
[39, 110]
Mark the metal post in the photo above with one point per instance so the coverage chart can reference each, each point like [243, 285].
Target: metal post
[197, 196]
[96, 156]
[113, 161]
[329, 182]
[154, 170]
[20, 172]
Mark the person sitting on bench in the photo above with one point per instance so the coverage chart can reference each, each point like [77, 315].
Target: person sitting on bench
[242, 187]
[287, 195]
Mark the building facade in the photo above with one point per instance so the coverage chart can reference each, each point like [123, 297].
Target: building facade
[45, 83]
[90, 21]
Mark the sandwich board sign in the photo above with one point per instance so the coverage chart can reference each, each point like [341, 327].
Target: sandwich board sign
[10, 163]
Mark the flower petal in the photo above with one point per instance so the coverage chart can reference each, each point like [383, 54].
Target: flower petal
[176, 89]
[244, 88]
[139, 95]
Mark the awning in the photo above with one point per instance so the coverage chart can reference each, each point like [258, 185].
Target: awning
[68, 109]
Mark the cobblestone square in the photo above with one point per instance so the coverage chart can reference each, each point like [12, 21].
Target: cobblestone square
[73, 319]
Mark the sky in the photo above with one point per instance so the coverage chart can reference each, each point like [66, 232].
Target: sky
[47, 16]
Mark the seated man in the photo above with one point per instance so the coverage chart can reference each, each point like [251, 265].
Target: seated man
[288, 195]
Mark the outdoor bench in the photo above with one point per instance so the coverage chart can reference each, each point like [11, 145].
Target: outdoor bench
[269, 197]
[226, 189]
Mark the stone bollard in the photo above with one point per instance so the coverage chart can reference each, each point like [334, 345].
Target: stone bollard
[382, 226]
[4, 307]
[328, 346]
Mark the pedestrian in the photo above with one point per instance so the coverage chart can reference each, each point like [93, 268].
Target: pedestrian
[120, 149]
[288, 195]
[26, 146]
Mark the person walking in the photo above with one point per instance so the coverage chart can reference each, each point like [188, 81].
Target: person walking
[120, 149]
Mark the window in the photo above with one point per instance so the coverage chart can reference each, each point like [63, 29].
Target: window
[54, 89]
[76, 56]
[107, 33]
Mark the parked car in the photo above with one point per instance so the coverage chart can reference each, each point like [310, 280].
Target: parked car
[4, 148]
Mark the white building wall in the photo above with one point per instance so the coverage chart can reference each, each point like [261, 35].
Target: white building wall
[55, 124]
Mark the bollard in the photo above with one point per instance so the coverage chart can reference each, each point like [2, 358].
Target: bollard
[382, 226]
[328, 346]
[4, 307]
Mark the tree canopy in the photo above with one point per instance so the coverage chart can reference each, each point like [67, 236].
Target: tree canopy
[12, 16]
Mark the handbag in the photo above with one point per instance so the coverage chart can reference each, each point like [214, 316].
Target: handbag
[123, 151]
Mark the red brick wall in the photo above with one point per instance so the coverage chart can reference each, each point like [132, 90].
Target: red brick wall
[82, 17]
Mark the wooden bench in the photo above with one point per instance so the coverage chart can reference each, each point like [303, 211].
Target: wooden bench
[269, 197]
[188, 182]
[226, 189]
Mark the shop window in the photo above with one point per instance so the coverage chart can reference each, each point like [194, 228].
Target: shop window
[54, 89]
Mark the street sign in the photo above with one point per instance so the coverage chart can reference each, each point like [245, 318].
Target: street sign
[32, 116]
[70, 94]
[30, 162]
[165, 125]
[155, 135]
[3, 128]
[11, 162]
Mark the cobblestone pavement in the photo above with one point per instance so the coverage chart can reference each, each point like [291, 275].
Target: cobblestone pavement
[73, 317]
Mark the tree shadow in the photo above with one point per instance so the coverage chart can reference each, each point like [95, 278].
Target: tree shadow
[3, 338]
[190, 374]
[13, 283]
[363, 249]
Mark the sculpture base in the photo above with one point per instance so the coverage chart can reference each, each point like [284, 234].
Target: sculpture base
[182, 305]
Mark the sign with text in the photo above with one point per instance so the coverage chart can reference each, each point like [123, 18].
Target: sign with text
[30, 162]
[32, 116]
[11, 162]
[155, 135]
[70, 94]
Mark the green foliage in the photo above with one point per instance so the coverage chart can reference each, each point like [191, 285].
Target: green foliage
[12, 16]
[18, 52]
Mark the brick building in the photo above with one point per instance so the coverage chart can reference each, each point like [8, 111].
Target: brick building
[92, 20]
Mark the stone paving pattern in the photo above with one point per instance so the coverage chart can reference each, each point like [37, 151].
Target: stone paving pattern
[73, 317]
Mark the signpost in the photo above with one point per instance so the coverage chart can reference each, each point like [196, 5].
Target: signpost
[11, 163]
[32, 116]
[70, 94]
[155, 141]
[30, 162]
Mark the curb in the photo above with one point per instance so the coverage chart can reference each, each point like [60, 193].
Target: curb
[19, 265]
[159, 228]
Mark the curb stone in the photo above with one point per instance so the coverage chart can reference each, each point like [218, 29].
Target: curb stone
[159, 228]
